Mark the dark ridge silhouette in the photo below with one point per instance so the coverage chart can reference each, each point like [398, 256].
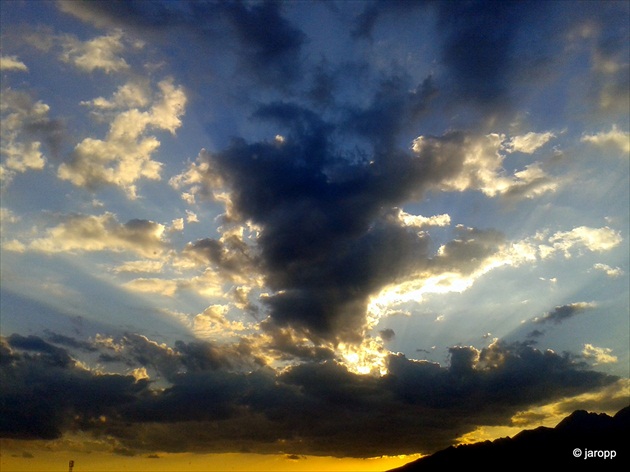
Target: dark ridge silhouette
[583, 441]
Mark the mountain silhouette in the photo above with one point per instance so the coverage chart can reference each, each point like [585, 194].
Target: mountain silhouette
[582, 441]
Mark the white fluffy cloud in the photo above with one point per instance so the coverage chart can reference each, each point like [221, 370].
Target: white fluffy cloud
[419, 221]
[125, 155]
[7, 216]
[212, 322]
[21, 118]
[612, 272]
[78, 233]
[196, 179]
[129, 95]
[528, 143]
[599, 355]
[614, 138]
[582, 237]
[102, 52]
[483, 164]
[12, 63]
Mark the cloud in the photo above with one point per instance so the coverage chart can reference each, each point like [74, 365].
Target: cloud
[529, 143]
[612, 272]
[58, 391]
[366, 21]
[387, 334]
[455, 267]
[7, 216]
[270, 45]
[614, 138]
[25, 124]
[218, 399]
[610, 398]
[98, 53]
[213, 323]
[396, 106]
[12, 63]
[458, 264]
[125, 155]
[177, 225]
[481, 165]
[606, 42]
[191, 217]
[330, 235]
[53, 355]
[599, 355]
[259, 40]
[208, 283]
[129, 95]
[166, 287]
[139, 267]
[562, 313]
[196, 179]
[230, 255]
[485, 61]
[56, 338]
[420, 221]
[479, 48]
[593, 239]
[102, 233]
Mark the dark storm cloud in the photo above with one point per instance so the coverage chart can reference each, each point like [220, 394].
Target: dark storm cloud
[52, 354]
[271, 46]
[478, 45]
[264, 43]
[537, 326]
[484, 48]
[366, 21]
[395, 107]
[68, 341]
[322, 89]
[608, 86]
[329, 234]
[186, 357]
[387, 334]
[230, 255]
[286, 346]
[312, 408]
[563, 312]
[44, 391]
[535, 333]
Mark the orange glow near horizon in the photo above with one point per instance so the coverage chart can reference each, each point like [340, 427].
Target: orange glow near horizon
[21, 457]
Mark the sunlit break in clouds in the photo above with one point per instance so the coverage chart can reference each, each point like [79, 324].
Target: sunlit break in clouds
[317, 233]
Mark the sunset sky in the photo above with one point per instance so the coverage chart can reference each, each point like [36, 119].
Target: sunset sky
[308, 235]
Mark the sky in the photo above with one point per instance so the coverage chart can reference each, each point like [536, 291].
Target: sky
[309, 232]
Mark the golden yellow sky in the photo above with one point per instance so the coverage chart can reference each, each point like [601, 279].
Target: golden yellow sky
[15, 458]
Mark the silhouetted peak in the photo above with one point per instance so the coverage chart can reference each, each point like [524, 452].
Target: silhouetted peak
[623, 415]
[578, 441]
[581, 421]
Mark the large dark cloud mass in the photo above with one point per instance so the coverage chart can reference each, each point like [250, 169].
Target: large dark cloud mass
[212, 404]
[329, 234]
